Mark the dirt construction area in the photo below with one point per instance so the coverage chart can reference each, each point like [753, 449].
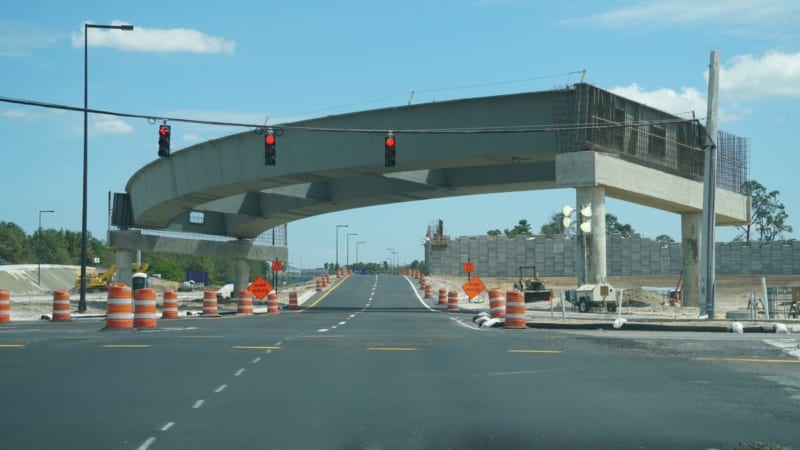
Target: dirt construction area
[641, 295]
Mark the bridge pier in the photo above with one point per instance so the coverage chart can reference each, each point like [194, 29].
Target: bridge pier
[241, 276]
[691, 226]
[592, 245]
[124, 258]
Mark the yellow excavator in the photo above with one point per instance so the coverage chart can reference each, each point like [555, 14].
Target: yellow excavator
[99, 281]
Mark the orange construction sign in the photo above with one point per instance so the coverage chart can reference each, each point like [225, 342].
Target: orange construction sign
[469, 267]
[473, 287]
[260, 288]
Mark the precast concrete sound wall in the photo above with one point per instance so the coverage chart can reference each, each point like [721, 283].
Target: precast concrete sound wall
[556, 256]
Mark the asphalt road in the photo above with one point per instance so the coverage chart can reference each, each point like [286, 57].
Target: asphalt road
[371, 367]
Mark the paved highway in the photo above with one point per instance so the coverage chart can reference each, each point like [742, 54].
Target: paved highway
[371, 367]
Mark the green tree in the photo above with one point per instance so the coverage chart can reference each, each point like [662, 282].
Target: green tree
[556, 226]
[664, 240]
[768, 219]
[613, 226]
[14, 243]
[494, 233]
[521, 228]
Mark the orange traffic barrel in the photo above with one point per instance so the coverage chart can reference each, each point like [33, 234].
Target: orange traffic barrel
[515, 310]
[61, 305]
[144, 308]
[428, 291]
[5, 306]
[293, 300]
[442, 297]
[272, 303]
[210, 303]
[319, 284]
[497, 302]
[452, 300]
[119, 309]
[245, 304]
[169, 310]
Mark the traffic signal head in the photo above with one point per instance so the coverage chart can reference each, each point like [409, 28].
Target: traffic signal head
[164, 133]
[390, 151]
[269, 148]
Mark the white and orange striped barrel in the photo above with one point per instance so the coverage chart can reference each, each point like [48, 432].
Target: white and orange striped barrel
[245, 304]
[326, 280]
[169, 308]
[5, 306]
[428, 291]
[515, 309]
[452, 300]
[293, 300]
[442, 297]
[319, 284]
[144, 308]
[61, 306]
[119, 307]
[210, 303]
[497, 302]
[272, 303]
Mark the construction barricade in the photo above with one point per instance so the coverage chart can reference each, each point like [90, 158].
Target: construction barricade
[293, 301]
[497, 303]
[272, 304]
[61, 306]
[210, 303]
[5, 306]
[452, 301]
[244, 306]
[515, 310]
[144, 308]
[169, 308]
[119, 307]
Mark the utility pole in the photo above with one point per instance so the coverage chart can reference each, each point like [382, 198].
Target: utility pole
[707, 269]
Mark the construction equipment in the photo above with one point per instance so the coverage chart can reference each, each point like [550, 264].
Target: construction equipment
[589, 296]
[96, 281]
[533, 288]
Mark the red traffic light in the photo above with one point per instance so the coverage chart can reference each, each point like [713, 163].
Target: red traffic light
[269, 139]
[163, 130]
[390, 141]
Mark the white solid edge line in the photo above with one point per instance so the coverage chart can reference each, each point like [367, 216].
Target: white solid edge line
[418, 297]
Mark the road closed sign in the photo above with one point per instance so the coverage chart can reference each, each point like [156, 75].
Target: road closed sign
[473, 287]
[260, 288]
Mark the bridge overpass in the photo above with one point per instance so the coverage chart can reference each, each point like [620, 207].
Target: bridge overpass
[579, 137]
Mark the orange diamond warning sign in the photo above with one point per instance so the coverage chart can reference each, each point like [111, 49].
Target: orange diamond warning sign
[260, 288]
[473, 287]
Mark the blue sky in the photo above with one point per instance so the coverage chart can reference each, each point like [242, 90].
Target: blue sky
[245, 61]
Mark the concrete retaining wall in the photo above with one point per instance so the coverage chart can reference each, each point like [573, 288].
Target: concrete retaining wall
[555, 256]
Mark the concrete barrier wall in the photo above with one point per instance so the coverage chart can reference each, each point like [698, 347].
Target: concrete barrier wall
[555, 256]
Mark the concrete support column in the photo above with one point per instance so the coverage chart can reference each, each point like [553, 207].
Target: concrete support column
[691, 226]
[241, 276]
[124, 258]
[595, 241]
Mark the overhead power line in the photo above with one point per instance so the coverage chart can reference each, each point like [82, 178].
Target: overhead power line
[280, 128]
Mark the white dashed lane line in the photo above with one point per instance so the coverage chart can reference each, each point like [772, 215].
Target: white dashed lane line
[257, 360]
[238, 372]
[198, 404]
[167, 426]
[220, 389]
[146, 444]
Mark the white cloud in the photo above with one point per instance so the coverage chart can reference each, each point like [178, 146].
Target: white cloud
[160, 40]
[111, 125]
[774, 74]
[21, 114]
[668, 100]
[18, 38]
[190, 138]
[686, 12]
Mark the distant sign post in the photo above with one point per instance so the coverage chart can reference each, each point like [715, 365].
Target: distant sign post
[277, 266]
[260, 288]
[468, 268]
[473, 287]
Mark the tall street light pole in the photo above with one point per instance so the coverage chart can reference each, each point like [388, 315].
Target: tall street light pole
[393, 252]
[39, 246]
[347, 261]
[86, 26]
[337, 245]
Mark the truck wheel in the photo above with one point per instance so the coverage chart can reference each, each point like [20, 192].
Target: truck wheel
[584, 306]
